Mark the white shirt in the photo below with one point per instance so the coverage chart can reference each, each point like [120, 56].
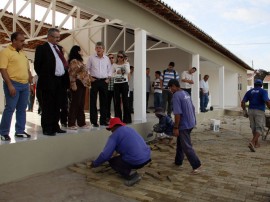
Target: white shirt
[59, 67]
[100, 68]
[204, 85]
[157, 86]
[121, 77]
[188, 76]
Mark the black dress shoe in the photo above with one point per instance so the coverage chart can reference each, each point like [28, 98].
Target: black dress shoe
[5, 138]
[49, 133]
[104, 124]
[60, 131]
[95, 125]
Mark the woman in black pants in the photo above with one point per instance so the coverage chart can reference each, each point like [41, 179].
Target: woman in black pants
[79, 81]
[121, 70]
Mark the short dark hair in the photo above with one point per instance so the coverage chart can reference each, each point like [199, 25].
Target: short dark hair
[100, 44]
[158, 72]
[15, 35]
[173, 82]
[171, 64]
[51, 31]
[194, 68]
[147, 68]
[131, 67]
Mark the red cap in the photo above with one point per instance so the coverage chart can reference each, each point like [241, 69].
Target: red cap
[113, 122]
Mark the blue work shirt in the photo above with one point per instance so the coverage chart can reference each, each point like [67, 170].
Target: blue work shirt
[129, 144]
[256, 98]
[166, 124]
[182, 105]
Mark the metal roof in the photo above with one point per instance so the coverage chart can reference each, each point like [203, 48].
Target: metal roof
[170, 15]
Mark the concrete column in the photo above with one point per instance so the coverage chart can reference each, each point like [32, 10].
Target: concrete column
[221, 87]
[196, 86]
[140, 76]
[2, 96]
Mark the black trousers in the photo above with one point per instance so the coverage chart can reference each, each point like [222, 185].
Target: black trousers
[147, 99]
[188, 90]
[123, 168]
[167, 98]
[110, 99]
[51, 100]
[64, 109]
[121, 91]
[130, 102]
[101, 87]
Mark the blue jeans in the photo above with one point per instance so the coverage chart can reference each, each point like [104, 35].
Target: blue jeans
[18, 102]
[184, 146]
[157, 100]
[203, 101]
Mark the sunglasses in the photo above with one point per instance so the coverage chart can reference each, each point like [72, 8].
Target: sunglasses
[111, 57]
[119, 56]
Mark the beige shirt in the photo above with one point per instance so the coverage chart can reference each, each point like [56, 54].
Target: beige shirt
[188, 76]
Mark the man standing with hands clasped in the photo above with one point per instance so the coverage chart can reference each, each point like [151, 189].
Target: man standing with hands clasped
[257, 98]
[16, 74]
[204, 93]
[185, 121]
[53, 80]
[100, 69]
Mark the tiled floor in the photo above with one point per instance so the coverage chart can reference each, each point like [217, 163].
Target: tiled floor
[230, 172]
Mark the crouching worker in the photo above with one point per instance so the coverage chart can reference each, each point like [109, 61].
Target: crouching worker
[134, 153]
[165, 126]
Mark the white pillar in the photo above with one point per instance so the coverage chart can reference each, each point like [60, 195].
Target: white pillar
[140, 76]
[196, 86]
[2, 96]
[221, 87]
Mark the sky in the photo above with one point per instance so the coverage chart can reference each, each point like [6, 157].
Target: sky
[241, 26]
[40, 11]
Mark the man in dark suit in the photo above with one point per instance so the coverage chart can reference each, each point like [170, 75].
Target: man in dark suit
[53, 79]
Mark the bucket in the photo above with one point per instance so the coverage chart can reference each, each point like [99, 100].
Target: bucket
[214, 125]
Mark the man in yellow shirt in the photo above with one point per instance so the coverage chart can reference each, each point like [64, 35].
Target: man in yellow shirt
[14, 68]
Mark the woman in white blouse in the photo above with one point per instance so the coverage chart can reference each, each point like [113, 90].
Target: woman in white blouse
[121, 70]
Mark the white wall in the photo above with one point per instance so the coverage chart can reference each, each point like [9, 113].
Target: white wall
[231, 83]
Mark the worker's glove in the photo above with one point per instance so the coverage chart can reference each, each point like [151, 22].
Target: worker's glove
[245, 113]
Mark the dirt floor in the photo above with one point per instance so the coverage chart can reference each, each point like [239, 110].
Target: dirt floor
[231, 172]
[58, 186]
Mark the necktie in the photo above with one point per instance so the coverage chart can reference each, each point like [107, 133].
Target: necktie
[61, 56]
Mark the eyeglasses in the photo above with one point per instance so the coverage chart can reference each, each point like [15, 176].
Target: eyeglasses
[119, 56]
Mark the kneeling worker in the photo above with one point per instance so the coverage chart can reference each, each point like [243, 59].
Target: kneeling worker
[134, 153]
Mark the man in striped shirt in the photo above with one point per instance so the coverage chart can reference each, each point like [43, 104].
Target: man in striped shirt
[165, 77]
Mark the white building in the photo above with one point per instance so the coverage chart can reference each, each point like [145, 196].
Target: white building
[153, 34]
